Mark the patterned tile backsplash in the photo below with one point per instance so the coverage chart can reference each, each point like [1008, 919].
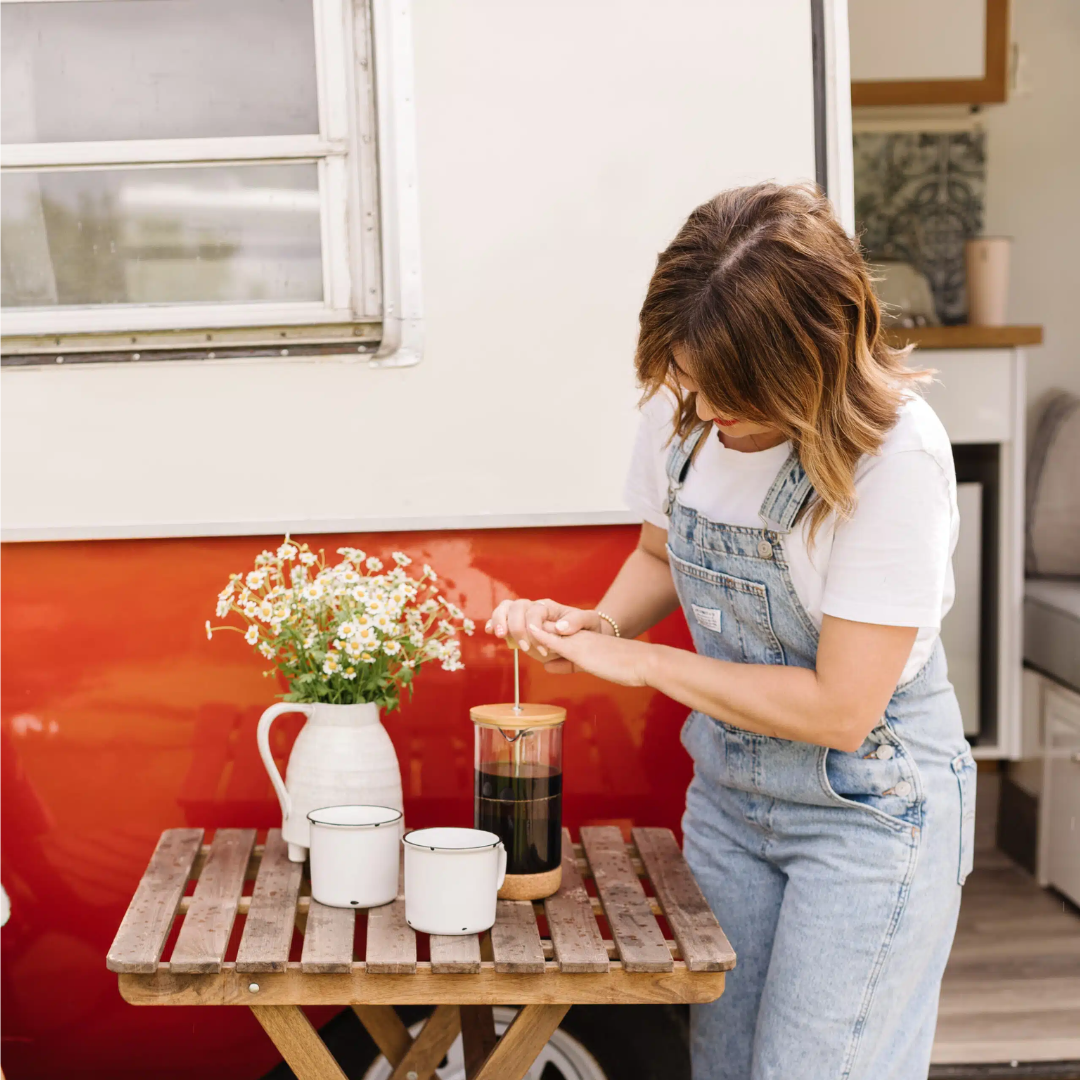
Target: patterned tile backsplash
[918, 197]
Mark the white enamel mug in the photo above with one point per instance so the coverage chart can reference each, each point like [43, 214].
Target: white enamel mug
[452, 879]
[355, 857]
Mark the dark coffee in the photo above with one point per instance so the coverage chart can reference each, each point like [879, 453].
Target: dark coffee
[523, 808]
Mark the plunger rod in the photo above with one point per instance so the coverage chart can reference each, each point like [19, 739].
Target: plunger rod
[517, 680]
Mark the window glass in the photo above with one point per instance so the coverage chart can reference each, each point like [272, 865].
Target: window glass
[157, 69]
[222, 233]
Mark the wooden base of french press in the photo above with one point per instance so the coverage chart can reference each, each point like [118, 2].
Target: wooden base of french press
[531, 886]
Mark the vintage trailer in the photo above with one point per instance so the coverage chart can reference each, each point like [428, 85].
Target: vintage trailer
[362, 270]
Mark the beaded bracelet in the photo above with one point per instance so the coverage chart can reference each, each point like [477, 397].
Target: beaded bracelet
[609, 619]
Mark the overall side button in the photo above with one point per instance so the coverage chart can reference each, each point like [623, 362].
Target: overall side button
[764, 549]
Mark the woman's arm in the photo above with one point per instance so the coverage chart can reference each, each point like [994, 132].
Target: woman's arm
[836, 704]
[643, 592]
[639, 597]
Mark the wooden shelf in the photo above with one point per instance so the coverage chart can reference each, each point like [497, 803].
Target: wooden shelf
[964, 337]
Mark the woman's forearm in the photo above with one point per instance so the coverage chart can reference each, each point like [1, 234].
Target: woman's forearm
[641, 595]
[835, 704]
[783, 702]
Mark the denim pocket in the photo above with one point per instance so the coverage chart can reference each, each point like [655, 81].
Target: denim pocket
[963, 765]
[879, 778]
[729, 617]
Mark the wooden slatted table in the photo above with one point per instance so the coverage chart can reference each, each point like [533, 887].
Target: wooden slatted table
[543, 957]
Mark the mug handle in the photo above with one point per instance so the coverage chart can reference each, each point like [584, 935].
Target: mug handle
[262, 737]
[502, 867]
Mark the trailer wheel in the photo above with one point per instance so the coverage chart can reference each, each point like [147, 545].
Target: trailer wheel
[597, 1042]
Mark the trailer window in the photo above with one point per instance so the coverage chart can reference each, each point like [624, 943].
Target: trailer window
[188, 172]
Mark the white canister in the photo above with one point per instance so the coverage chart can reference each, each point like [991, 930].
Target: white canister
[355, 857]
[452, 880]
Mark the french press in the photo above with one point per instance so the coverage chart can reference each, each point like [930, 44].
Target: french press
[518, 771]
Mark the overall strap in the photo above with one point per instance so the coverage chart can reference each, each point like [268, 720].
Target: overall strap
[679, 465]
[789, 493]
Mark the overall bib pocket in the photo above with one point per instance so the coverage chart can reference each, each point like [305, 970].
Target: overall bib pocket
[963, 766]
[728, 616]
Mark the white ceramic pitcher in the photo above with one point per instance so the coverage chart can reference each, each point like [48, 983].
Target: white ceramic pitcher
[342, 755]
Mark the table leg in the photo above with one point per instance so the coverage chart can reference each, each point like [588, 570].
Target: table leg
[477, 1036]
[519, 1047]
[298, 1042]
[387, 1029]
[430, 1046]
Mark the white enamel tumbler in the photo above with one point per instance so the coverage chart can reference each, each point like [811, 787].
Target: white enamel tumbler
[452, 880]
[355, 857]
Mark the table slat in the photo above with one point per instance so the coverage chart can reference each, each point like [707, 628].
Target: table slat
[457, 955]
[515, 938]
[328, 940]
[575, 937]
[638, 938]
[703, 945]
[137, 946]
[271, 915]
[391, 941]
[204, 937]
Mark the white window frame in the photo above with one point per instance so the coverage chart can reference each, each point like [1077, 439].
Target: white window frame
[357, 248]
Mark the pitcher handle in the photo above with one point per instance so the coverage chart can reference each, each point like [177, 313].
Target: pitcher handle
[502, 867]
[262, 736]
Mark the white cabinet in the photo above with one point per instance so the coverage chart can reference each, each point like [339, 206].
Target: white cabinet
[1059, 825]
[979, 395]
[917, 39]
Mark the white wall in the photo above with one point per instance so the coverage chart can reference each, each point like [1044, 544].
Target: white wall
[560, 145]
[1033, 179]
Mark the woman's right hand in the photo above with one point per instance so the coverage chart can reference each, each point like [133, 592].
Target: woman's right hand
[511, 620]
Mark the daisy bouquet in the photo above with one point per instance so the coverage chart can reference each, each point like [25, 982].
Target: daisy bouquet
[345, 633]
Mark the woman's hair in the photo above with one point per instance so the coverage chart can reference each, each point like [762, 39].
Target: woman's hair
[772, 308]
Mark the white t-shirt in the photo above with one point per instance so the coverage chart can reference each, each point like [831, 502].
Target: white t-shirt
[891, 563]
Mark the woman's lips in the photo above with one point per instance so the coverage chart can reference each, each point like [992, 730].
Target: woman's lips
[724, 423]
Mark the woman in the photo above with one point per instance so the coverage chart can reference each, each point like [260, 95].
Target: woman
[799, 501]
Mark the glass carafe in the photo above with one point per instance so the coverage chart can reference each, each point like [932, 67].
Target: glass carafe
[518, 792]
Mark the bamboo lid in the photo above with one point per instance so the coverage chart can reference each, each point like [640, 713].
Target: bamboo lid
[531, 716]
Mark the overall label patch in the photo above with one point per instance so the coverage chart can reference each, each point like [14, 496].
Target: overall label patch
[709, 617]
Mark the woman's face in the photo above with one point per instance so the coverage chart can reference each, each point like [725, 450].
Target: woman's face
[731, 427]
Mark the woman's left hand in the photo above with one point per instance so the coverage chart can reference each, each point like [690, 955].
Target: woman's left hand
[615, 659]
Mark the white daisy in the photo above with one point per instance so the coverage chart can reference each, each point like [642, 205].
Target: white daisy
[353, 649]
[401, 558]
[307, 558]
[367, 658]
[374, 564]
[209, 631]
[349, 673]
[346, 630]
[286, 551]
[252, 635]
[222, 609]
[255, 579]
[267, 650]
[391, 648]
[330, 665]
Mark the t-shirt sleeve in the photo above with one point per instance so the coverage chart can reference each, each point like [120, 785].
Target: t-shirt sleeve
[645, 491]
[890, 563]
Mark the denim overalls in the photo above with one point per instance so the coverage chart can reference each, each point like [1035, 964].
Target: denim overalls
[835, 875]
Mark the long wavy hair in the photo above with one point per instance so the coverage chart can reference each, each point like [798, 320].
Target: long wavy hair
[772, 307]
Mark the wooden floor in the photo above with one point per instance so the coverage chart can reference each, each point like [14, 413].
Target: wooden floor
[1012, 987]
